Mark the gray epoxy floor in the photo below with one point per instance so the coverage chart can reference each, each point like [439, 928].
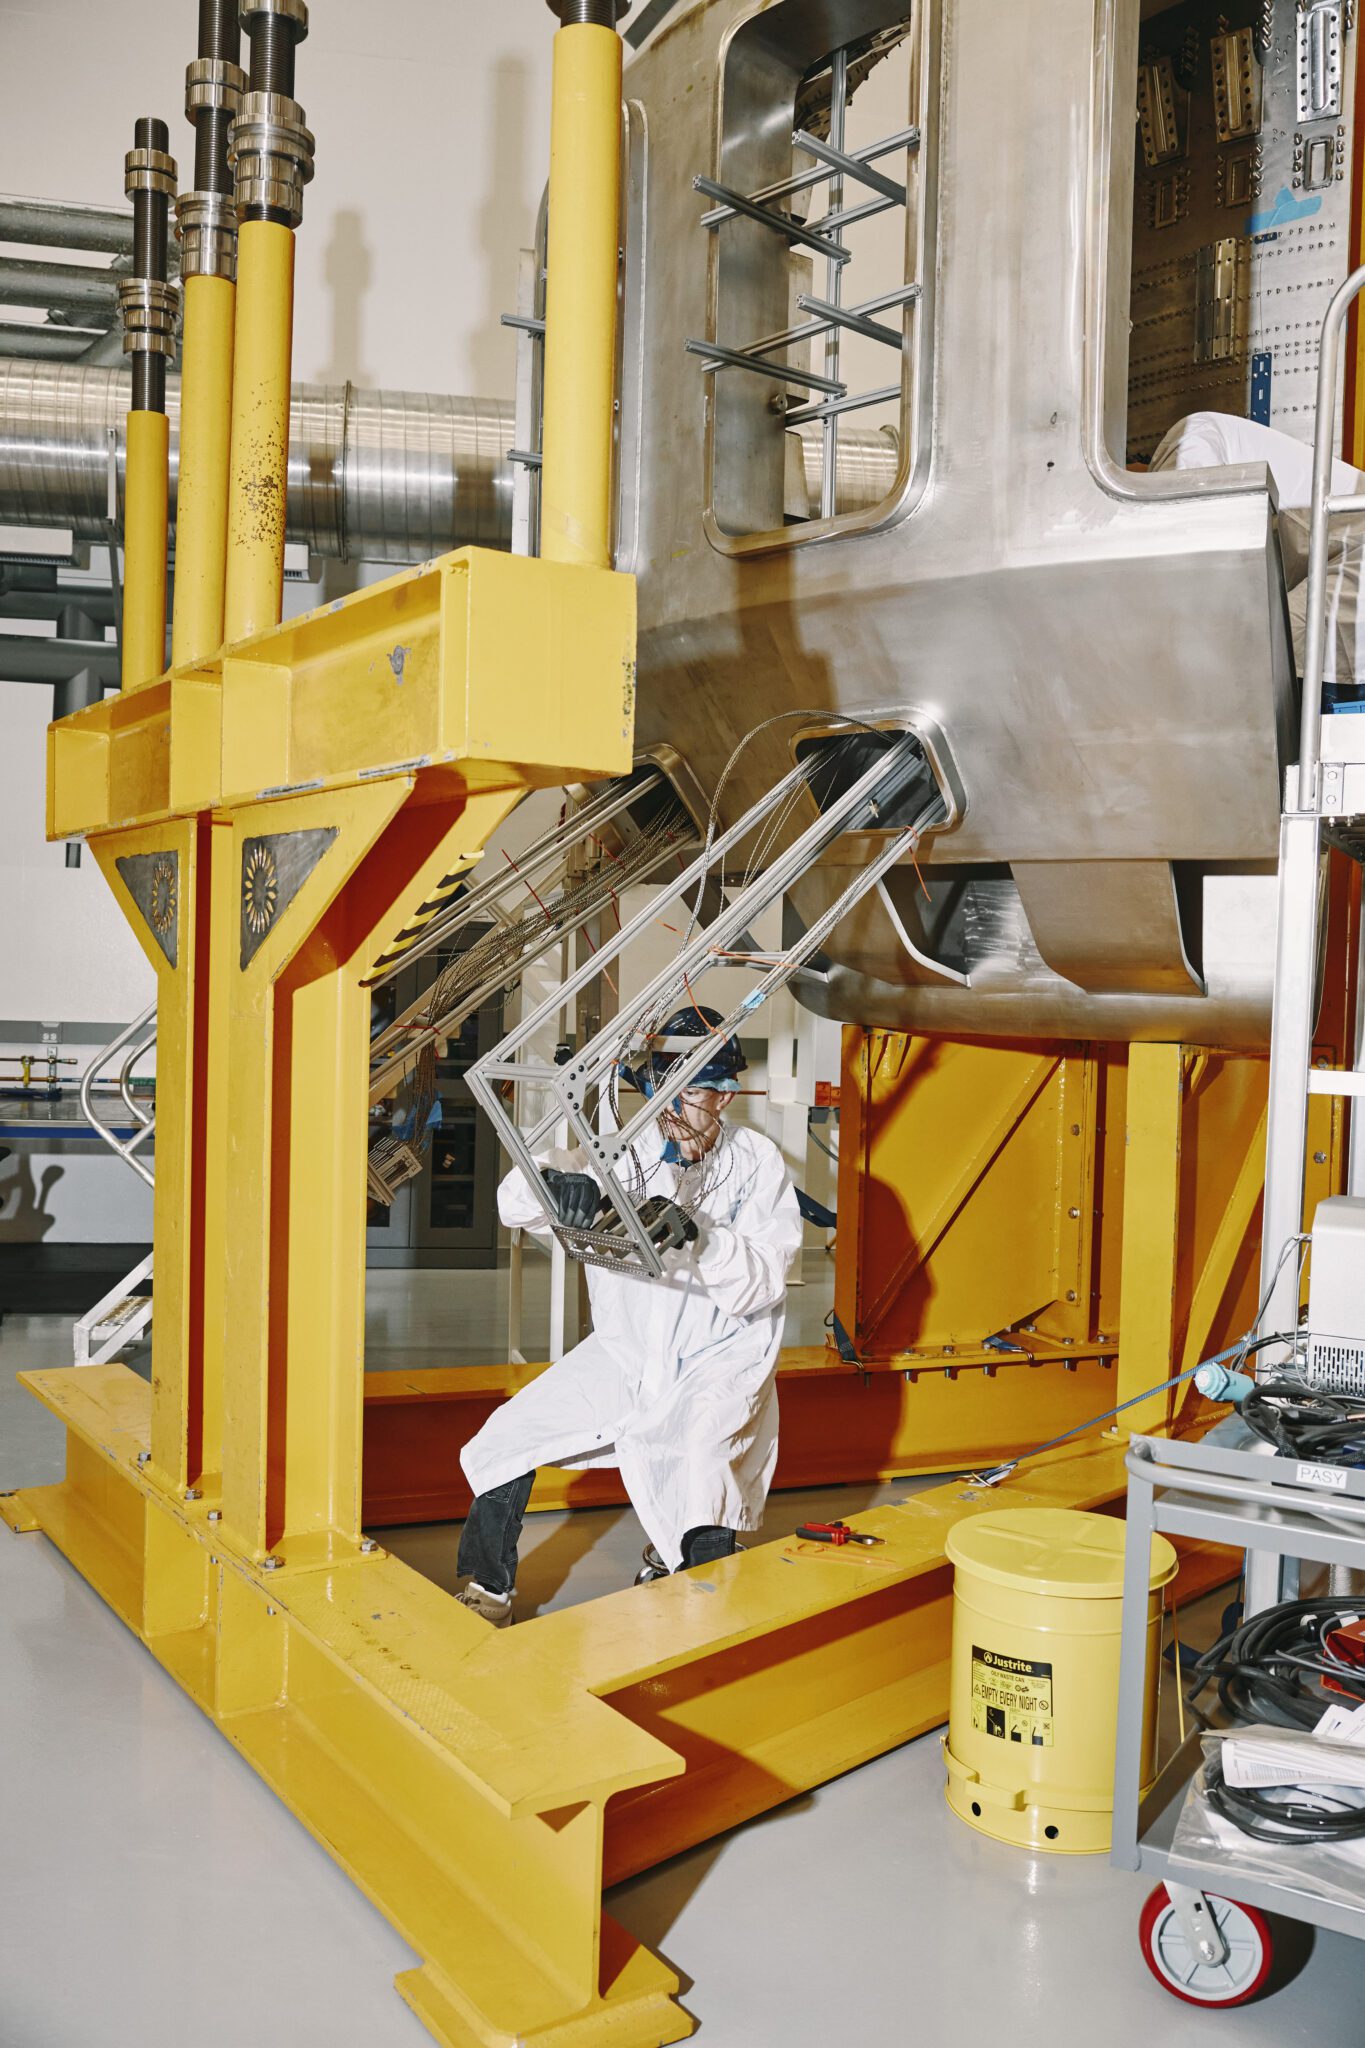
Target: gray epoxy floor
[154, 1892]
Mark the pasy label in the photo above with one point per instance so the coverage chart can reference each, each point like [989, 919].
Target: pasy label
[1321, 1475]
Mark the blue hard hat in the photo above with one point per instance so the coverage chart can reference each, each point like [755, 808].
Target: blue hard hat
[677, 1037]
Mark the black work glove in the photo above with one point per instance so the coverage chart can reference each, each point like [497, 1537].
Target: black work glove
[669, 1227]
[576, 1196]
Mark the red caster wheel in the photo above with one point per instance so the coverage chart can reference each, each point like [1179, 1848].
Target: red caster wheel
[1175, 1962]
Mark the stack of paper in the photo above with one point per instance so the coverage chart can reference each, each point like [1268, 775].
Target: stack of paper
[1332, 1754]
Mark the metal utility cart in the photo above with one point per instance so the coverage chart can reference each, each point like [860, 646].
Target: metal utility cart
[1206, 1948]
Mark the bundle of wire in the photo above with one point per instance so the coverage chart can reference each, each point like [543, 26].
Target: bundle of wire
[1298, 1421]
[1285, 1813]
[1273, 1669]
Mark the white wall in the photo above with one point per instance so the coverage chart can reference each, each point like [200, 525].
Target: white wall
[431, 125]
[68, 956]
[431, 121]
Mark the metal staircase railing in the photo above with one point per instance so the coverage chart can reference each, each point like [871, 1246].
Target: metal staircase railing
[123, 1314]
[134, 1040]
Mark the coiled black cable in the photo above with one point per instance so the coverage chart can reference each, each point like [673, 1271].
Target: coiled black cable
[1301, 1422]
[1277, 1814]
[1271, 1668]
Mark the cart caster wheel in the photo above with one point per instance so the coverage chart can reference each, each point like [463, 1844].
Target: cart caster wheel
[1173, 1962]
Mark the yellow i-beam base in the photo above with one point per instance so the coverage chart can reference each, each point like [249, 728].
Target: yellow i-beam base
[482, 1786]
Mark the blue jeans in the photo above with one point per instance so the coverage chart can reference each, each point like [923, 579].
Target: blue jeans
[488, 1541]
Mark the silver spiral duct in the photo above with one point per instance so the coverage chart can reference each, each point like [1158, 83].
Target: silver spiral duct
[377, 476]
[380, 476]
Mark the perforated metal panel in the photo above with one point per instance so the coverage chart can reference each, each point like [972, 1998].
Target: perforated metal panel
[1241, 232]
[1336, 1364]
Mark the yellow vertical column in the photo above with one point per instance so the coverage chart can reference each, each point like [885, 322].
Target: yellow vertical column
[288, 861]
[1151, 1230]
[580, 295]
[215, 1002]
[153, 872]
[259, 474]
[149, 305]
[201, 498]
[322, 1026]
[145, 499]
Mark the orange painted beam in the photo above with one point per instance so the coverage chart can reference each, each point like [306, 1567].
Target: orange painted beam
[839, 1425]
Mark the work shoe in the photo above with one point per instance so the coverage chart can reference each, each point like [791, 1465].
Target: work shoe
[490, 1607]
[652, 1568]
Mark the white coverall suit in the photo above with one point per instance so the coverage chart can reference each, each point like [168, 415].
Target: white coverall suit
[675, 1385]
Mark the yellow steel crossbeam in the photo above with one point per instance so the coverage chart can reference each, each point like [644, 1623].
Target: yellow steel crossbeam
[482, 1786]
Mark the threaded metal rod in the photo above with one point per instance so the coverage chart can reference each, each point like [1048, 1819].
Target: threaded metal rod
[273, 38]
[589, 13]
[150, 257]
[220, 37]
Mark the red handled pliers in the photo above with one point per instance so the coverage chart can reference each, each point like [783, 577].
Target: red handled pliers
[836, 1532]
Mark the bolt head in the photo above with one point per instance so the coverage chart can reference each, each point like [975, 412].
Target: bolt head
[367, 1544]
[1073, 1214]
[1319, 1159]
[192, 1493]
[271, 1564]
[215, 1514]
[1071, 1294]
[144, 1457]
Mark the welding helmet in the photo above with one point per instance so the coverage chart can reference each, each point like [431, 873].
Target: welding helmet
[648, 1067]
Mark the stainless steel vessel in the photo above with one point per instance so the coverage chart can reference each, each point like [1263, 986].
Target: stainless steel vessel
[1106, 653]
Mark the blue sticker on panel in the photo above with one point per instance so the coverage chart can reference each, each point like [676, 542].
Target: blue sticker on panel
[1283, 209]
[1259, 409]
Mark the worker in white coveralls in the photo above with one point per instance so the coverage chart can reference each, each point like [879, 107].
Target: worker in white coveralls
[675, 1386]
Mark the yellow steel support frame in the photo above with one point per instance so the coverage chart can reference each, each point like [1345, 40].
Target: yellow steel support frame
[1008, 1207]
[1153, 1227]
[269, 821]
[145, 492]
[202, 495]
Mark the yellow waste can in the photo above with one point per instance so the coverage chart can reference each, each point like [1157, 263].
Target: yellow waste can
[1037, 1615]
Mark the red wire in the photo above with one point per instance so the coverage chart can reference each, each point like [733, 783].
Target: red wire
[582, 929]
